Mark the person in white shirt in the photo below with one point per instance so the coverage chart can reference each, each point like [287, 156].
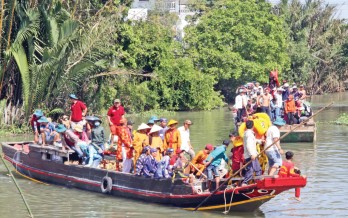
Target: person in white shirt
[279, 102]
[185, 138]
[240, 103]
[274, 152]
[250, 153]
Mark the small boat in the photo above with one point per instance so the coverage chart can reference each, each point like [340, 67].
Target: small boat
[46, 164]
[304, 133]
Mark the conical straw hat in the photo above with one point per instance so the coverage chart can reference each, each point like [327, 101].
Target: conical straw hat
[143, 126]
[155, 128]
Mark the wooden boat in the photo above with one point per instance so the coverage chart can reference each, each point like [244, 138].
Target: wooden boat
[304, 133]
[47, 164]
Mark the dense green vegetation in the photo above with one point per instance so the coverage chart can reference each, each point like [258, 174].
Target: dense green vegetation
[51, 48]
[342, 119]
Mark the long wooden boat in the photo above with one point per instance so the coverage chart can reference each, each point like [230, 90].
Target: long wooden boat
[47, 164]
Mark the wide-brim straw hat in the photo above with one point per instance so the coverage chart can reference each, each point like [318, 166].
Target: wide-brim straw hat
[43, 120]
[143, 126]
[172, 122]
[61, 128]
[38, 113]
[155, 128]
[78, 128]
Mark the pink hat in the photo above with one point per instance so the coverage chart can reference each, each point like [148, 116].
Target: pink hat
[209, 147]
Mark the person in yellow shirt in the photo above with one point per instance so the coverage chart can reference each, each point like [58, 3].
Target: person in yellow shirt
[156, 141]
[198, 160]
[141, 139]
[172, 138]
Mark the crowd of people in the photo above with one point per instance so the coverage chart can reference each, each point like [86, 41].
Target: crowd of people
[157, 148]
[278, 101]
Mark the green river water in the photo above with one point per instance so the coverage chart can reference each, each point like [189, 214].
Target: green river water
[324, 162]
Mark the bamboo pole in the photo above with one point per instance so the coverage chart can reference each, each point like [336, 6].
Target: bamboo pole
[245, 165]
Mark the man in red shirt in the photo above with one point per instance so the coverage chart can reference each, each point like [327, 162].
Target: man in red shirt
[78, 111]
[115, 114]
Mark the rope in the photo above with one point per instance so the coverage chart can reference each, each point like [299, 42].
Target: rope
[18, 188]
[229, 207]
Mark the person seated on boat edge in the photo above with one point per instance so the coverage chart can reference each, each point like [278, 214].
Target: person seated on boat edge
[250, 153]
[166, 170]
[65, 121]
[36, 125]
[274, 153]
[197, 162]
[47, 131]
[288, 169]
[150, 166]
[141, 160]
[71, 141]
[96, 147]
[237, 153]
[213, 162]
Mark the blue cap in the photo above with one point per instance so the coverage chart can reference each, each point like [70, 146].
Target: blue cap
[170, 150]
[43, 120]
[163, 120]
[38, 113]
[153, 150]
[146, 148]
[73, 96]
[154, 118]
[151, 121]
[60, 128]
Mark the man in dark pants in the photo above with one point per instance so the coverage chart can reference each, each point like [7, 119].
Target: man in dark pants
[250, 153]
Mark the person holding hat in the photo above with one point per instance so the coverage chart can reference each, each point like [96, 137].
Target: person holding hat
[141, 160]
[172, 138]
[198, 160]
[124, 147]
[141, 139]
[36, 125]
[47, 131]
[78, 110]
[213, 162]
[163, 124]
[115, 114]
[250, 153]
[70, 140]
[274, 153]
[237, 152]
[185, 138]
[151, 165]
[156, 141]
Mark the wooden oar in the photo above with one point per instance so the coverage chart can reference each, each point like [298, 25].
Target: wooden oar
[197, 169]
[245, 165]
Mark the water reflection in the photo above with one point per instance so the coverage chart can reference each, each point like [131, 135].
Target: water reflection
[324, 162]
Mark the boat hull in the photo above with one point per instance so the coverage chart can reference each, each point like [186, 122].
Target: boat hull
[35, 164]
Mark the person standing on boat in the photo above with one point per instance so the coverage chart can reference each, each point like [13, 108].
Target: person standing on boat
[266, 102]
[279, 102]
[141, 139]
[141, 161]
[250, 153]
[78, 111]
[115, 114]
[240, 104]
[163, 124]
[156, 141]
[124, 147]
[185, 138]
[172, 138]
[36, 125]
[290, 109]
[213, 162]
[274, 153]
[237, 152]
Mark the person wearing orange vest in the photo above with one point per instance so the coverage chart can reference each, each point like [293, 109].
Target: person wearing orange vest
[288, 169]
[172, 138]
[198, 160]
[124, 147]
[290, 109]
